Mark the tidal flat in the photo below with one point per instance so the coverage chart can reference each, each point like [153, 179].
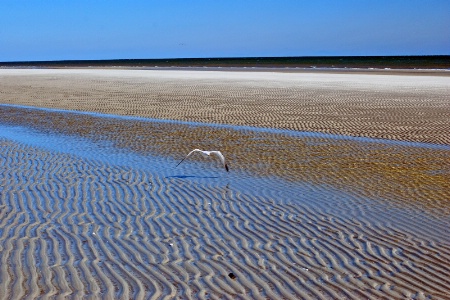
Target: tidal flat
[98, 208]
[93, 205]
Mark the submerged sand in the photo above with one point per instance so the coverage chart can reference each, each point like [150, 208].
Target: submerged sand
[93, 207]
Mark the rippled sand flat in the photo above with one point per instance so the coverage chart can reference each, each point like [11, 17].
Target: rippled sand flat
[401, 107]
[93, 206]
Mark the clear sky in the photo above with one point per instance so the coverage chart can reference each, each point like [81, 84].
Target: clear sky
[110, 29]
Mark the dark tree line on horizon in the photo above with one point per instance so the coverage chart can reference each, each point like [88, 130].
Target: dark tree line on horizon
[394, 62]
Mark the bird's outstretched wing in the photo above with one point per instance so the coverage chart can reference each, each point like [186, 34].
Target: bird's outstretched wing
[208, 153]
[222, 159]
[189, 154]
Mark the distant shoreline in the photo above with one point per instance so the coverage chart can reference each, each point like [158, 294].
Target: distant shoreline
[321, 63]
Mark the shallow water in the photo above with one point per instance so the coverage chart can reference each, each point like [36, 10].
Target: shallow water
[98, 208]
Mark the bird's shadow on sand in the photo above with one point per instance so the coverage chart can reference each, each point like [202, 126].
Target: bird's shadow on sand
[192, 176]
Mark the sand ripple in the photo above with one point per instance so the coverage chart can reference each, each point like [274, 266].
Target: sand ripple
[90, 213]
[380, 106]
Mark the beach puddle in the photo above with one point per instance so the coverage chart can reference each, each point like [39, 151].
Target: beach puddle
[93, 205]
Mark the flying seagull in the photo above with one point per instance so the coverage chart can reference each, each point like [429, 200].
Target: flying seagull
[206, 154]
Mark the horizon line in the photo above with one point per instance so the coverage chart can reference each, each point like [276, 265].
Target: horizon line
[228, 58]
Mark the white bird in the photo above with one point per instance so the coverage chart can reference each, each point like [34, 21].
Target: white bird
[207, 154]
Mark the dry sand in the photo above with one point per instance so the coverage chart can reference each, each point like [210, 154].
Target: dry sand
[92, 206]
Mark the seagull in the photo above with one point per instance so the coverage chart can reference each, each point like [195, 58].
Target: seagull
[206, 154]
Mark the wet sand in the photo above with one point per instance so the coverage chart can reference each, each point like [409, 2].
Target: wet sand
[92, 205]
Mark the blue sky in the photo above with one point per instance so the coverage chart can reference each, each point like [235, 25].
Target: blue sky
[100, 29]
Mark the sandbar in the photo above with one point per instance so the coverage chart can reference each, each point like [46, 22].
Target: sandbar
[399, 107]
